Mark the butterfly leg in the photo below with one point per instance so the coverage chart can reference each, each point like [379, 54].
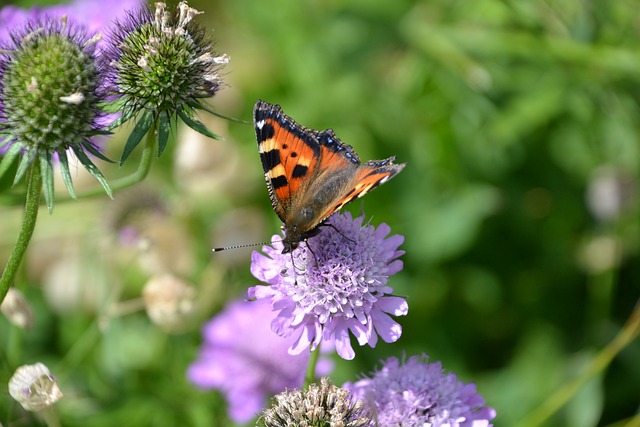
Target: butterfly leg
[296, 270]
[338, 231]
[315, 258]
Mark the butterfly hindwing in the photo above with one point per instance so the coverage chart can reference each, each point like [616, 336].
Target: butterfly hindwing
[310, 174]
[365, 177]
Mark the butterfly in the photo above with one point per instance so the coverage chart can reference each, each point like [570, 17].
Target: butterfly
[310, 174]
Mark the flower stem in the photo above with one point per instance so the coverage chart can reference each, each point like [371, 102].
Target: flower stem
[145, 162]
[50, 417]
[31, 207]
[310, 377]
[558, 399]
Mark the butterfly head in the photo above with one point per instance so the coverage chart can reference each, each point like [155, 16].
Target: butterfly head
[289, 246]
[293, 235]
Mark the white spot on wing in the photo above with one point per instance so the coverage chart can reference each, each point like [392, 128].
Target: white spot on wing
[260, 124]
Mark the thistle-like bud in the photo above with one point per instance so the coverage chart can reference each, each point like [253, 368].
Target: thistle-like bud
[34, 387]
[161, 65]
[317, 406]
[51, 89]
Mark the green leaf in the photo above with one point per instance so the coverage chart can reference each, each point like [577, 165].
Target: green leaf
[197, 126]
[46, 170]
[93, 170]
[8, 160]
[139, 131]
[164, 129]
[27, 157]
[101, 132]
[113, 106]
[66, 174]
[208, 109]
[93, 150]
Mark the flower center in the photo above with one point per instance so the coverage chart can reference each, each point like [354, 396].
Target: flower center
[47, 87]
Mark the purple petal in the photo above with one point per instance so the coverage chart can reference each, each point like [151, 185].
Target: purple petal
[343, 343]
[393, 305]
[388, 329]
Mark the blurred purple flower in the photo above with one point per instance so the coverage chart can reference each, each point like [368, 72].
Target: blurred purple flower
[245, 360]
[93, 14]
[337, 287]
[419, 393]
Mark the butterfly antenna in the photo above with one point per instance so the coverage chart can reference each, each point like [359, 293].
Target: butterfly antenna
[248, 245]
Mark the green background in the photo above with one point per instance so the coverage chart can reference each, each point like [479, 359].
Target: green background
[506, 112]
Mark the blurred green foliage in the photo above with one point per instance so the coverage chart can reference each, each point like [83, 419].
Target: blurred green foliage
[510, 115]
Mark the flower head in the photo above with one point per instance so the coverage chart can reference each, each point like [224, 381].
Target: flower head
[244, 359]
[51, 89]
[34, 387]
[318, 405]
[162, 64]
[418, 393]
[335, 284]
[94, 14]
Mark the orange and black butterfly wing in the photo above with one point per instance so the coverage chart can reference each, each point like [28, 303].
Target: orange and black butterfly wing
[289, 153]
[310, 174]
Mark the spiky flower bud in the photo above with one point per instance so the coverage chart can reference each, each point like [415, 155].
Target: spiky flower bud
[323, 405]
[162, 64]
[50, 90]
[34, 387]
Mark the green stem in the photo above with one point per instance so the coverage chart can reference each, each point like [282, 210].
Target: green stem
[310, 377]
[31, 207]
[558, 399]
[145, 162]
[50, 417]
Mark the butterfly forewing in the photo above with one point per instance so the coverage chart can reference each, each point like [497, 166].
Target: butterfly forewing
[289, 154]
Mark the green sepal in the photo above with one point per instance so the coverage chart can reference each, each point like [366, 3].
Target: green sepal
[5, 138]
[197, 126]
[46, 170]
[87, 145]
[66, 174]
[139, 131]
[93, 170]
[164, 129]
[27, 157]
[113, 106]
[9, 158]
[117, 106]
[101, 132]
[200, 106]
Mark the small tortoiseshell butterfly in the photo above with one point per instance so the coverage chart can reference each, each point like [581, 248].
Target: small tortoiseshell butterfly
[310, 174]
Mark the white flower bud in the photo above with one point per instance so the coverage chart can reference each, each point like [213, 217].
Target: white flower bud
[16, 308]
[34, 387]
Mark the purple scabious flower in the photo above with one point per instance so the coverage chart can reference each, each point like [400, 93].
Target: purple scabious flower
[418, 393]
[338, 285]
[94, 14]
[162, 65]
[51, 97]
[245, 360]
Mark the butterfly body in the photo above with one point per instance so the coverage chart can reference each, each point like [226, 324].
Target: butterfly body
[310, 174]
